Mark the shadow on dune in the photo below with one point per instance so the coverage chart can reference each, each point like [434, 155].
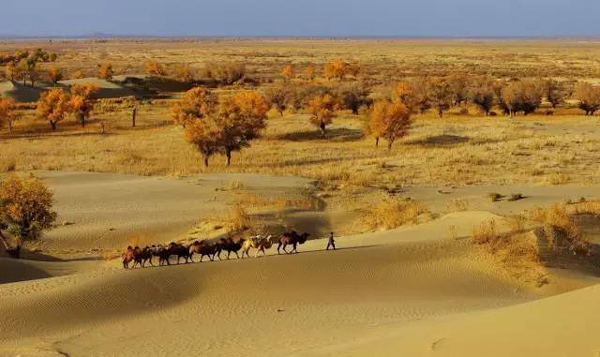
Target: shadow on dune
[14, 270]
[99, 299]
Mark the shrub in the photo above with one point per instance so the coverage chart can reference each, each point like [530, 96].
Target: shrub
[26, 208]
[486, 233]
[394, 213]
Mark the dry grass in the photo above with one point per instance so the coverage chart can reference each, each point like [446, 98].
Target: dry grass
[589, 207]
[288, 201]
[559, 217]
[394, 213]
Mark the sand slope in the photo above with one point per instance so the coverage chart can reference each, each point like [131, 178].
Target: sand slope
[416, 290]
[273, 305]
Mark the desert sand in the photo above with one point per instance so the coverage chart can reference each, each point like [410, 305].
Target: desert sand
[417, 290]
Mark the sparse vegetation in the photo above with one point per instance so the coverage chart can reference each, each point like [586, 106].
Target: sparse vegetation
[394, 213]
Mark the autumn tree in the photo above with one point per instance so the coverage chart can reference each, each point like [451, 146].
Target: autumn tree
[440, 95]
[354, 96]
[195, 113]
[185, 74]
[554, 92]
[243, 117]
[459, 88]
[322, 109]
[278, 97]
[154, 68]
[482, 94]
[106, 71]
[288, 72]
[521, 96]
[226, 73]
[588, 96]
[197, 103]
[55, 74]
[53, 106]
[221, 125]
[389, 120]
[25, 210]
[11, 71]
[8, 113]
[80, 101]
[335, 70]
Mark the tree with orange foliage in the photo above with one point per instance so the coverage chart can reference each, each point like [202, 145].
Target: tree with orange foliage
[322, 109]
[25, 211]
[155, 68]
[55, 74]
[243, 117]
[185, 74]
[80, 102]
[335, 70]
[288, 72]
[197, 103]
[222, 125]
[7, 112]
[106, 71]
[389, 120]
[53, 106]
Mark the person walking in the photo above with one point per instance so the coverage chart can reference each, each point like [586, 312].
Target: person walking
[331, 242]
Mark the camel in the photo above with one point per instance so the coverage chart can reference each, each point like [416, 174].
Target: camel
[291, 238]
[179, 250]
[128, 256]
[259, 243]
[141, 256]
[163, 255]
[204, 249]
[228, 245]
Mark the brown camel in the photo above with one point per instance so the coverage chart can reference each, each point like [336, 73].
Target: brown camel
[291, 238]
[141, 256]
[230, 246]
[204, 248]
[179, 250]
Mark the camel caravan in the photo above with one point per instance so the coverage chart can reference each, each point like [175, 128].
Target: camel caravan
[141, 256]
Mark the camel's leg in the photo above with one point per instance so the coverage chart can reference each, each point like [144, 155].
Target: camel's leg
[278, 246]
[237, 255]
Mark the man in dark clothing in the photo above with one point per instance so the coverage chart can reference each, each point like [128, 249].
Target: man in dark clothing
[331, 242]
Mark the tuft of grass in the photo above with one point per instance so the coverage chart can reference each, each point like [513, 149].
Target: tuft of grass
[486, 233]
[394, 213]
[559, 179]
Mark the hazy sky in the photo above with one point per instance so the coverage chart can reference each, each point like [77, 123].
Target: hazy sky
[302, 17]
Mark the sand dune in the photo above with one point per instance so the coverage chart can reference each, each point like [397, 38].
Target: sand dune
[416, 290]
[273, 305]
